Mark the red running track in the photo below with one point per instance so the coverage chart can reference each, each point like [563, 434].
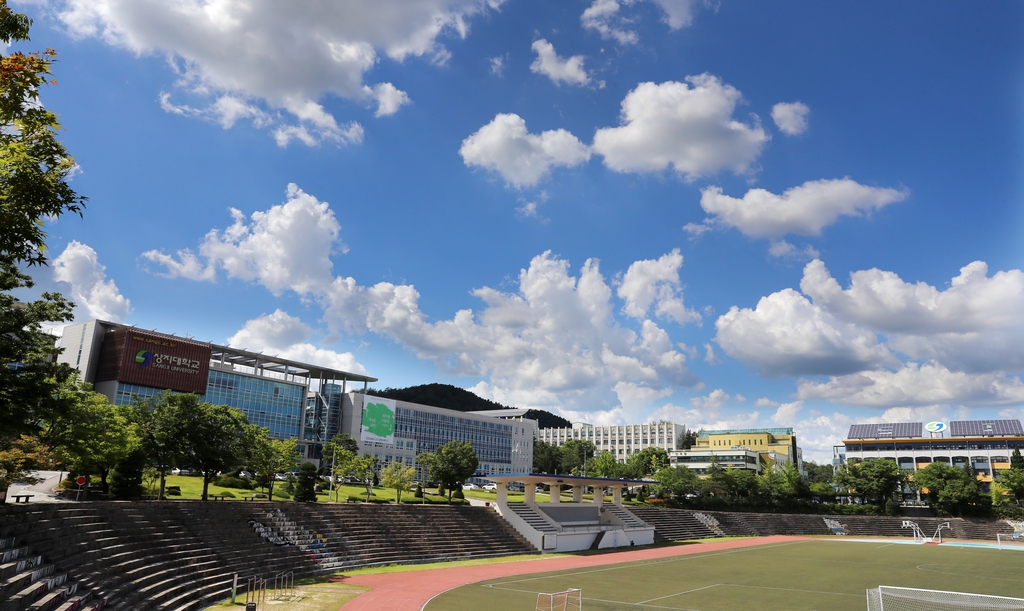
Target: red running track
[411, 590]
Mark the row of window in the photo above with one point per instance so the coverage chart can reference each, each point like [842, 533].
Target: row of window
[926, 446]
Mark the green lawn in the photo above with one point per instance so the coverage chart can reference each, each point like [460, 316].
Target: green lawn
[794, 576]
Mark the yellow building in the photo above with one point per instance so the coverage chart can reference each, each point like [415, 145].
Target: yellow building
[776, 446]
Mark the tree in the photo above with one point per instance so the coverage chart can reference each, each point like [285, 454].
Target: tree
[574, 456]
[649, 460]
[742, 483]
[212, 436]
[451, 464]
[22, 456]
[343, 441]
[796, 486]
[1013, 481]
[304, 490]
[773, 485]
[127, 475]
[34, 168]
[953, 489]
[605, 465]
[546, 457]
[686, 439]
[716, 483]
[398, 477]
[1016, 460]
[366, 468]
[267, 456]
[818, 473]
[873, 480]
[94, 434]
[160, 432]
[678, 481]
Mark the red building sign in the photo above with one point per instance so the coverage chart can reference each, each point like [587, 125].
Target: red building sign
[161, 361]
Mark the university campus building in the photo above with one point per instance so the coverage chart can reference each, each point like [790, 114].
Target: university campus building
[984, 444]
[290, 398]
[754, 449]
[622, 441]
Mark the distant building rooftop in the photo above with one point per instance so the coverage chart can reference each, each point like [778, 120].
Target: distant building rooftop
[775, 431]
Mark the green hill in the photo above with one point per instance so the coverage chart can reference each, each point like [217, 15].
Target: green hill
[461, 400]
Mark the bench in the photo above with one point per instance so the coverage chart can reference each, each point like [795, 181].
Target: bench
[219, 497]
[258, 496]
[22, 498]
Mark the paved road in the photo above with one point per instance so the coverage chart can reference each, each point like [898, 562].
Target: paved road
[412, 590]
[41, 492]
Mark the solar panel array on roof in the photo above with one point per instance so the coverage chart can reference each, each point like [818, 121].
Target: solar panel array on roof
[886, 430]
[985, 428]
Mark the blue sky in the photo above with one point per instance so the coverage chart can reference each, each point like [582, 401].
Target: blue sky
[722, 214]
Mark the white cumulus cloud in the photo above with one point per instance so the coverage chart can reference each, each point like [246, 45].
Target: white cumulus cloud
[687, 127]
[79, 266]
[285, 336]
[791, 117]
[286, 247]
[553, 342]
[605, 18]
[802, 210]
[915, 385]
[504, 145]
[558, 69]
[788, 335]
[656, 281]
[279, 57]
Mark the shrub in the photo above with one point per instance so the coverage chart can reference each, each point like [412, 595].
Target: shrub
[458, 494]
[419, 492]
[172, 491]
[891, 508]
[227, 494]
[126, 478]
[238, 483]
[305, 488]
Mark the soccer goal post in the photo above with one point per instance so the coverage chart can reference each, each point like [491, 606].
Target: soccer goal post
[570, 600]
[891, 598]
[1009, 542]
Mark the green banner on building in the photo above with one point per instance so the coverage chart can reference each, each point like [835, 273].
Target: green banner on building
[378, 425]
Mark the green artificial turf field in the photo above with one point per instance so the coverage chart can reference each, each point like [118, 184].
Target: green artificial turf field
[794, 576]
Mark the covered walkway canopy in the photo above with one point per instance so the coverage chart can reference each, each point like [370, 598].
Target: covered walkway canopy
[557, 482]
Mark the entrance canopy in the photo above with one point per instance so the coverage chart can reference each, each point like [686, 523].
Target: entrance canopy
[566, 480]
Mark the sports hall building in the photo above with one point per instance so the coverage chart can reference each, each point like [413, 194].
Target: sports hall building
[290, 398]
[984, 444]
[622, 441]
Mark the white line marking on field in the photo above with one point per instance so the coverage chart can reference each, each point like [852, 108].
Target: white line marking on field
[649, 600]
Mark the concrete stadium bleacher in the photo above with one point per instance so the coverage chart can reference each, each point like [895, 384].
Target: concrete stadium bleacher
[680, 524]
[182, 555]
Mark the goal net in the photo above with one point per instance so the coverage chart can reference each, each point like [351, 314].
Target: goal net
[890, 598]
[570, 600]
[1010, 541]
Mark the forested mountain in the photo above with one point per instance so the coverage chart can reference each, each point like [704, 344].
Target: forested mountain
[461, 400]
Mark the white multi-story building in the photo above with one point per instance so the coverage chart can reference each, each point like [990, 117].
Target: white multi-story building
[623, 441]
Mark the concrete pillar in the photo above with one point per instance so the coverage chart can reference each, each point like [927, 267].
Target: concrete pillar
[502, 495]
[617, 495]
[577, 494]
[556, 493]
[598, 495]
[530, 492]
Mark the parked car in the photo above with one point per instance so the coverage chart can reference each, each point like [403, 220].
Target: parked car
[469, 486]
[491, 487]
[245, 474]
[281, 477]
